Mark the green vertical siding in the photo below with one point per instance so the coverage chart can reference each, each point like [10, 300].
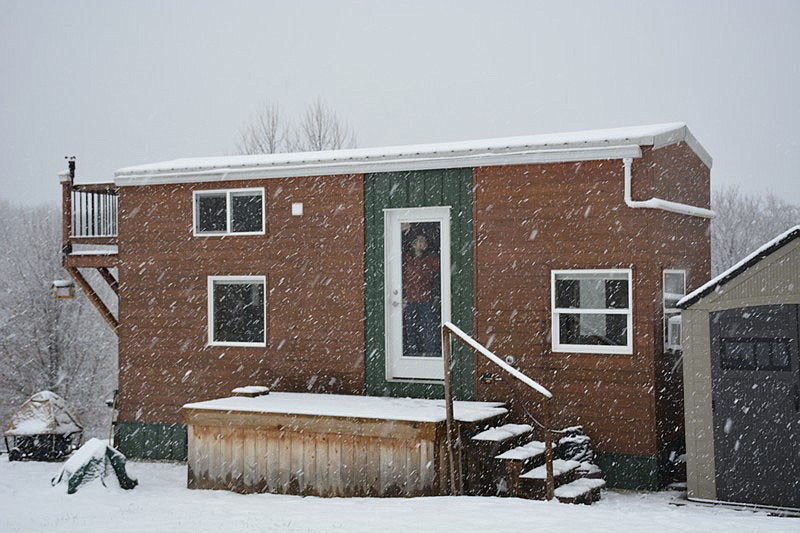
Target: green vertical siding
[452, 187]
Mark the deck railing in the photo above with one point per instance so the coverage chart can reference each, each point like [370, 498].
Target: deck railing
[453, 437]
[94, 212]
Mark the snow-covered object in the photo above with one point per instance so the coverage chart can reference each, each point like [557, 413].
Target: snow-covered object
[524, 452]
[352, 406]
[250, 391]
[503, 432]
[579, 487]
[95, 460]
[45, 413]
[559, 467]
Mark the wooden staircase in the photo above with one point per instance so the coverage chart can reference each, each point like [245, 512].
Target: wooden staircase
[506, 460]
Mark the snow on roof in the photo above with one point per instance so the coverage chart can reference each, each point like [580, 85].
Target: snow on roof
[572, 146]
[753, 258]
[347, 406]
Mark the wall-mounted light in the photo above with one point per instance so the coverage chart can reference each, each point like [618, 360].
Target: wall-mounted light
[297, 209]
[63, 289]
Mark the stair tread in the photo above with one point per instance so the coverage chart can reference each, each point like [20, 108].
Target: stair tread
[579, 487]
[501, 433]
[521, 453]
[560, 467]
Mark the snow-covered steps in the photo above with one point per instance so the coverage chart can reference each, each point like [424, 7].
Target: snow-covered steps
[582, 490]
[485, 476]
[533, 483]
[503, 433]
[511, 463]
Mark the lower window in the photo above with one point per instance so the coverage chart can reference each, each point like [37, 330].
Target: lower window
[591, 311]
[237, 310]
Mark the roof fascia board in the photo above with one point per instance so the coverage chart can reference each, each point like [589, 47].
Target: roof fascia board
[393, 165]
[683, 134]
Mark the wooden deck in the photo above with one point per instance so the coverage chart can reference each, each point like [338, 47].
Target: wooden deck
[324, 445]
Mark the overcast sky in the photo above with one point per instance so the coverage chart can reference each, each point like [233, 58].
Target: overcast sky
[124, 83]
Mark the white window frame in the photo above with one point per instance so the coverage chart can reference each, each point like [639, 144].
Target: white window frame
[671, 310]
[238, 279]
[555, 314]
[228, 214]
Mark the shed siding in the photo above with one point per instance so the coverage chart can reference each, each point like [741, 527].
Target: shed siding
[315, 303]
[773, 280]
[700, 470]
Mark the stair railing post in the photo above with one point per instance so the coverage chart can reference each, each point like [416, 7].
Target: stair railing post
[448, 404]
[548, 451]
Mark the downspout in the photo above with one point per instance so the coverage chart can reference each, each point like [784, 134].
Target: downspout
[658, 203]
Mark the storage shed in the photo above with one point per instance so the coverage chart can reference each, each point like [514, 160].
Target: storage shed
[742, 381]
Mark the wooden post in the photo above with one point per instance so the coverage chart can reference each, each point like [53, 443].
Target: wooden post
[66, 215]
[548, 451]
[448, 405]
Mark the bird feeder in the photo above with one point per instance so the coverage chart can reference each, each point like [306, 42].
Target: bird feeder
[63, 289]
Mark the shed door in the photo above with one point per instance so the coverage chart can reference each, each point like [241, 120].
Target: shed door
[756, 404]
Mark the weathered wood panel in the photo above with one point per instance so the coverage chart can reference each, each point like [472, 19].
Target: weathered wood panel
[314, 455]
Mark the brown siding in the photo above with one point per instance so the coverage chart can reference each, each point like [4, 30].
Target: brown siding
[315, 299]
[531, 219]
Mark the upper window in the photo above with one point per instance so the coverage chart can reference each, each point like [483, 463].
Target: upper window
[674, 290]
[237, 310]
[229, 212]
[592, 311]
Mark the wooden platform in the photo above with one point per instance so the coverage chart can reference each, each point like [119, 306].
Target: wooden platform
[325, 445]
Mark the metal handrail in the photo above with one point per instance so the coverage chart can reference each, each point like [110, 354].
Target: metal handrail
[454, 438]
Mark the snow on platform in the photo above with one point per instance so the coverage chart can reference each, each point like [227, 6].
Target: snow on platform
[503, 432]
[578, 487]
[521, 453]
[347, 406]
[560, 466]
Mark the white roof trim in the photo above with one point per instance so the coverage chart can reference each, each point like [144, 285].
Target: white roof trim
[562, 147]
[389, 165]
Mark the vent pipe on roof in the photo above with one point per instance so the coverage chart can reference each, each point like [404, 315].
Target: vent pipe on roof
[658, 203]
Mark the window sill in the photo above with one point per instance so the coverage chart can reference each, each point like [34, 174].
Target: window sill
[224, 234]
[237, 344]
[594, 350]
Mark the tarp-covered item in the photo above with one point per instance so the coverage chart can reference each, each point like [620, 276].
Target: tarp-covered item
[43, 428]
[45, 413]
[94, 460]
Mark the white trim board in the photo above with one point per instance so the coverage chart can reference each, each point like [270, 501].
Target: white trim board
[591, 145]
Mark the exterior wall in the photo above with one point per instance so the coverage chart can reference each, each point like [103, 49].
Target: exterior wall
[700, 467]
[773, 280]
[532, 219]
[315, 276]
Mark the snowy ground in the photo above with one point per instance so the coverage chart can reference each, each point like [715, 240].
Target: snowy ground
[161, 502]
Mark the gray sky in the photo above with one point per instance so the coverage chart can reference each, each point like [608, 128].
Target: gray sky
[119, 84]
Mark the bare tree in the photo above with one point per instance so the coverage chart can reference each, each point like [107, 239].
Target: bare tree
[744, 222]
[320, 128]
[63, 346]
[265, 134]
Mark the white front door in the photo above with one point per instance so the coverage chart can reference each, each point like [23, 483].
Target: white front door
[417, 300]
